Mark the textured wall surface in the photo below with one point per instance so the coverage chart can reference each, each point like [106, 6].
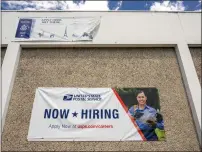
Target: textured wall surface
[196, 55]
[140, 67]
[3, 51]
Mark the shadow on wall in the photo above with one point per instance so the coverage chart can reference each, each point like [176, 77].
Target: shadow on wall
[196, 55]
[3, 51]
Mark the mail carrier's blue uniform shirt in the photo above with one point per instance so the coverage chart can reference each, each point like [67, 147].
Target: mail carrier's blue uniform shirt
[147, 130]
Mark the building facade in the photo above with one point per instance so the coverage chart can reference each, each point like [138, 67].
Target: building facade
[130, 49]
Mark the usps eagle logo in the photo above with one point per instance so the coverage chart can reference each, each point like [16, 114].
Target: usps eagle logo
[68, 97]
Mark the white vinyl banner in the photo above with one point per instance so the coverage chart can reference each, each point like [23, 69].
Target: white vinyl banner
[57, 29]
[81, 114]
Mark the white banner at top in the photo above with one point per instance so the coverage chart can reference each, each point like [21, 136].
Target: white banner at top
[57, 29]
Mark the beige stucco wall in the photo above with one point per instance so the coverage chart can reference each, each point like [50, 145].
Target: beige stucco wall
[196, 55]
[104, 67]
